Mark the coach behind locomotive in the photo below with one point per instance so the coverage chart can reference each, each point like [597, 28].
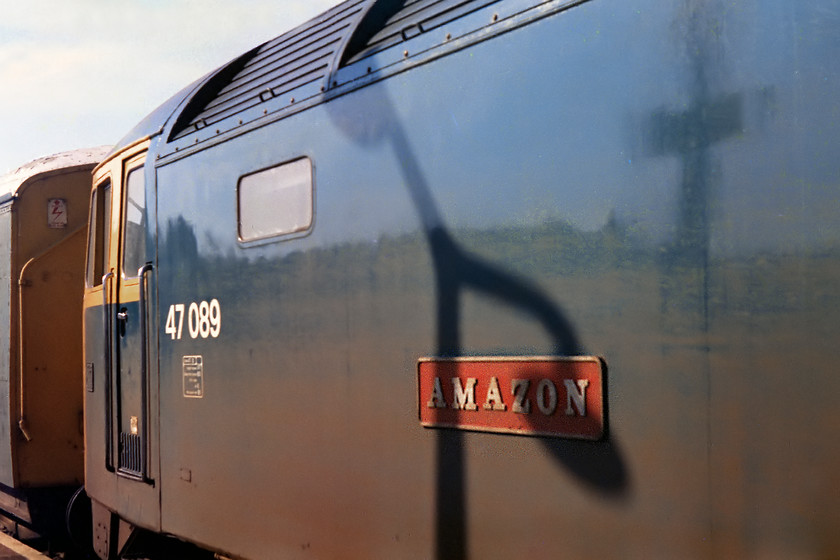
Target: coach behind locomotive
[43, 221]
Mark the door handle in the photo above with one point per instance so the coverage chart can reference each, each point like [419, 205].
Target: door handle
[122, 320]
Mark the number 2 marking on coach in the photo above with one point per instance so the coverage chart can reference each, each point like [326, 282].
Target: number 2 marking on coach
[204, 319]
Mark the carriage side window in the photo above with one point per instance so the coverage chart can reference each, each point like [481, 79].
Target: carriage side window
[134, 245]
[276, 202]
[98, 234]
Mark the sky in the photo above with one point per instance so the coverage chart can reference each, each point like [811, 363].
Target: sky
[82, 73]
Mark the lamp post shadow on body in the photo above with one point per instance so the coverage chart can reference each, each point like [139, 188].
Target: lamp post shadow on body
[598, 465]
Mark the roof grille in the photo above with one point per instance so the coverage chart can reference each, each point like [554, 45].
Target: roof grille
[415, 17]
[296, 58]
[298, 63]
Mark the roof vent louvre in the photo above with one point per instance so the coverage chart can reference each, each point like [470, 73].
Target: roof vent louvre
[301, 56]
[301, 63]
[190, 117]
[410, 19]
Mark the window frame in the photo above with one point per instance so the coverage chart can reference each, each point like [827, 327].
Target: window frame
[131, 165]
[99, 232]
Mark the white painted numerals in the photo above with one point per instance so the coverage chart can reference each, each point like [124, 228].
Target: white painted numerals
[204, 319]
[174, 326]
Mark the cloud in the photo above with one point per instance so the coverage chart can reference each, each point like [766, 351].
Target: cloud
[84, 72]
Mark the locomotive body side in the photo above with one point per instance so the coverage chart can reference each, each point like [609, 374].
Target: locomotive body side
[655, 184]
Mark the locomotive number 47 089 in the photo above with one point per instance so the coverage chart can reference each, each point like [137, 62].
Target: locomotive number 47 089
[204, 319]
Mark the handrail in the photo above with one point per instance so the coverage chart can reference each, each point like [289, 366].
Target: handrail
[109, 428]
[144, 378]
[22, 424]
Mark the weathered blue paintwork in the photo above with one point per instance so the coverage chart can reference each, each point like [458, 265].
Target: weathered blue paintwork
[656, 183]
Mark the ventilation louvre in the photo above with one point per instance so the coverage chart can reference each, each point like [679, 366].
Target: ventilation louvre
[415, 17]
[130, 455]
[300, 62]
[296, 58]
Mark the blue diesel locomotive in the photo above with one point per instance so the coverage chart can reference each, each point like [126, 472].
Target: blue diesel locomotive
[478, 279]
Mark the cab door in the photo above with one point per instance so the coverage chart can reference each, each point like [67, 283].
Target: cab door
[130, 334]
[121, 403]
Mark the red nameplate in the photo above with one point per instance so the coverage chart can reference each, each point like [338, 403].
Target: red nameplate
[548, 396]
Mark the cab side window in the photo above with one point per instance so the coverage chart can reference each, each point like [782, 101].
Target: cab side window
[134, 245]
[98, 234]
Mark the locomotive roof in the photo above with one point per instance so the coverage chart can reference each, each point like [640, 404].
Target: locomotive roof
[322, 57]
[60, 162]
